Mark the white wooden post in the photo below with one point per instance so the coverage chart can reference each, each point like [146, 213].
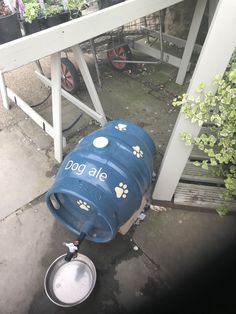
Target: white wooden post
[56, 104]
[215, 55]
[3, 91]
[212, 7]
[79, 58]
[192, 35]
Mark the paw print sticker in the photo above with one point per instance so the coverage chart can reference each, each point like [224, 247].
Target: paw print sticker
[137, 152]
[121, 127]
[121, 190]
[83, 205]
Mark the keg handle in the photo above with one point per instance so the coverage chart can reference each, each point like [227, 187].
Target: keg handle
[73, 248]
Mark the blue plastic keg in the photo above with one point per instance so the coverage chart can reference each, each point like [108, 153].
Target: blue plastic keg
[102, 181]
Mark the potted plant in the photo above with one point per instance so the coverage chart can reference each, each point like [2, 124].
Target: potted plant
[75, 7]
[9, 24]
[31, 16]
[107, 3]
[55, 14]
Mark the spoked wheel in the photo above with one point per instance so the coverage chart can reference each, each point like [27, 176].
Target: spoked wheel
[69, 76]
[122, 53]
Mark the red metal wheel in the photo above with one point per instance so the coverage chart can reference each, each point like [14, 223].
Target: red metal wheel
[69, 76]
[122, 53]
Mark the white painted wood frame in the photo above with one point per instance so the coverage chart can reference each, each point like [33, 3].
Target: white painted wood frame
[3, 91]
[192, 35]
[156, 53]
[212, 4]
[47, 42]
[213, 60]
[53, 40]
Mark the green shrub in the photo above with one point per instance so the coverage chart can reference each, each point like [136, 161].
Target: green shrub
[32, 11]
[218, 111]
[51, 10]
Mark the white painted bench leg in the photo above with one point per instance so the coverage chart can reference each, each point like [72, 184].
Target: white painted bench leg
[56, 105]
[4, 92]
[192, 35]
[79, 57]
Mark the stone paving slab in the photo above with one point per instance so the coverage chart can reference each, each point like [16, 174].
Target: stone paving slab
[25, 171]
[30, 239]
[183, 242]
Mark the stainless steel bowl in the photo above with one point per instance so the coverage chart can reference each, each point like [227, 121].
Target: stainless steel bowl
[70, 283]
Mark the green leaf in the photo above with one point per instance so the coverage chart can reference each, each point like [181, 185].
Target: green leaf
[213, 162]
[200, 87]
[205, 164]
[222, 210]
[232, 76]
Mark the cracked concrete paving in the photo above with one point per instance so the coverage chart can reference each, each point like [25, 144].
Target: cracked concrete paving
[156, 262]
[31, 239]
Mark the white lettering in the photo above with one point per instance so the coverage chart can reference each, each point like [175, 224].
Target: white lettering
[69, 164]
[75, 166]
[97, 175]
[103, 176]
[92, 172]
[79, 169]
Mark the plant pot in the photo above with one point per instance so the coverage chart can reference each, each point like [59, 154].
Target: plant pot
[65, 17]
[10, 28]
[53, 20]
[107, 3]
[31, 28]
[43, 23]
[75, 14]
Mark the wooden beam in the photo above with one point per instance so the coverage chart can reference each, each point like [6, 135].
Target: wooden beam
[56, 105]
[197, 174]
[202, 195]
[192, 36]
[36, 46]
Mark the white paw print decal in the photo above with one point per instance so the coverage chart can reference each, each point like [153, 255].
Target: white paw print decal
[137, 152]
[121, 190]
[83, 205]
[121, 127]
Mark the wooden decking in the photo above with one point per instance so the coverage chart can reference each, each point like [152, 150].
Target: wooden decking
[197, 174]
[199, 189]
[200, 195]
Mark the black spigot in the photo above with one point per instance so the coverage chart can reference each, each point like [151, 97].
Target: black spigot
[73, 248]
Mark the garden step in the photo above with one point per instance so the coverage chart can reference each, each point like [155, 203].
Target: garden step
[202, 196]
[197, 174]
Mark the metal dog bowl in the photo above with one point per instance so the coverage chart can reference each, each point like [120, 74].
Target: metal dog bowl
[70, 283]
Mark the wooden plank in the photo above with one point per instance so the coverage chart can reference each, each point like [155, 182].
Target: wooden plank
[197, 154]
[197, 174]
[179, 42]
[155, 53]
[27, 49]
[192, 36]
[202, 195]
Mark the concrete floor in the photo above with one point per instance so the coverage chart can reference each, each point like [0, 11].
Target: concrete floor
[174, 260]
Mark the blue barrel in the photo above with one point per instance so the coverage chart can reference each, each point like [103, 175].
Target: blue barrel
[102, 181]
